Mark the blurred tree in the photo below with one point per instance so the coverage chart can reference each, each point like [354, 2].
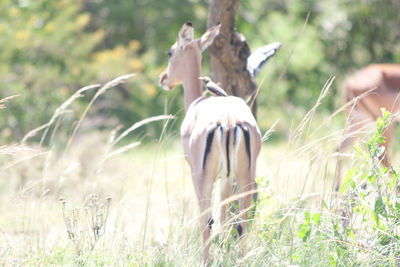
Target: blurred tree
[44, 56]
[230, 51]
[153, 22]
[361, 33]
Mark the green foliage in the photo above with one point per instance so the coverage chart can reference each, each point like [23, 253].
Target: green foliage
[45, 54]
[308, 225]
[52, 48]
[302, 51]
[49, 51]
[372, 193]
[378, 197]
[155, 23]
[361, 33]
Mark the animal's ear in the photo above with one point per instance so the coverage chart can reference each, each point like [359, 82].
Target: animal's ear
[208, 37]
[185, 35]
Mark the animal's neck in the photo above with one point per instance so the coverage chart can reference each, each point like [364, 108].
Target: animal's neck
[191, 82]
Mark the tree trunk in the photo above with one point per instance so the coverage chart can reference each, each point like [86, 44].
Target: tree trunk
[229, 51]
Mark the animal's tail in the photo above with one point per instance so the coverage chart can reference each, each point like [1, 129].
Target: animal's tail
[229, 141]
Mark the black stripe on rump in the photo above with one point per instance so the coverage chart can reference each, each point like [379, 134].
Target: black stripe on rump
[228, 165]
[246, 134]
[235, 135]
[209, 140]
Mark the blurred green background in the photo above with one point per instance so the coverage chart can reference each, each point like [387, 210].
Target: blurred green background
[49, 49]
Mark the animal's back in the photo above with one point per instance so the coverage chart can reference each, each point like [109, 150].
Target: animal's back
[227, 111]
[364, 79]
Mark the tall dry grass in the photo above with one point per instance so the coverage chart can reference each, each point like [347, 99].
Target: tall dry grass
[34, 176]
[145, 211]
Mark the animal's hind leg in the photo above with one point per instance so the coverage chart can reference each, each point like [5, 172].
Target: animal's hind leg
[204, 186]
[226, 192]
[357, 120]
[248, 151]
[245, 181]
[388, 138]
[203, 179]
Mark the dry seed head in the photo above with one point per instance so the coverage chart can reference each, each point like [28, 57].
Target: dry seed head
[63, 201]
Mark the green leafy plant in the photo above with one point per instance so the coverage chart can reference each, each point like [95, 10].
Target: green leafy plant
[368, 208]
[375, 201]
[364, 218]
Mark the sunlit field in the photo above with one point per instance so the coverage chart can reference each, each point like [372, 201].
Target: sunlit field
[92, 170]
[88, 199]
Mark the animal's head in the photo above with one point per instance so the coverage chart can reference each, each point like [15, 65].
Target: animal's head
[181, 52]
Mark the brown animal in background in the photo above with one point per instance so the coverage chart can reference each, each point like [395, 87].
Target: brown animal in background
[219, 133]
[383, 82]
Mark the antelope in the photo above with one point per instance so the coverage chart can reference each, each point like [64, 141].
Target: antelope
[383, 82]
[219, 134]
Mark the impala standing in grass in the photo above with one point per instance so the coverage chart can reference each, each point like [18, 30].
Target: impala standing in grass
[219, 133]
